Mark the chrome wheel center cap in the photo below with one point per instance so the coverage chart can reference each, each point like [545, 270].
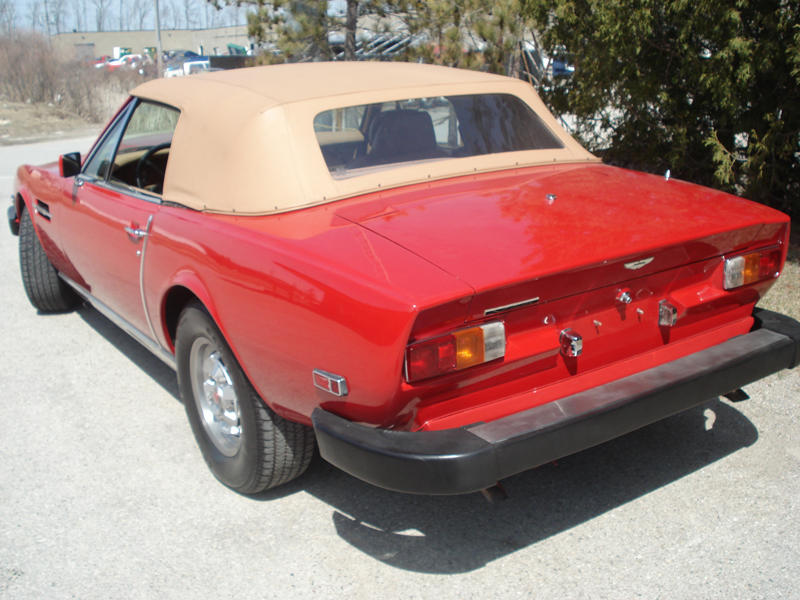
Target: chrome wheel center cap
[215, 396]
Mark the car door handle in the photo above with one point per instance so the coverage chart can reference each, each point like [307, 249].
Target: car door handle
[137, 233]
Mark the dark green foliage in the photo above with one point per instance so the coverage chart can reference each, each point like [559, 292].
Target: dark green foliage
[472, 34]
[299, 30]
[469, 34]
[707, 89]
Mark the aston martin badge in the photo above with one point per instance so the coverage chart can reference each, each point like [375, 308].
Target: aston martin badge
[638, 264]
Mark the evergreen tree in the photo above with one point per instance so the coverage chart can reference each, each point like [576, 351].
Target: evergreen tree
[469, 34]
[299, 28]
[705, 88]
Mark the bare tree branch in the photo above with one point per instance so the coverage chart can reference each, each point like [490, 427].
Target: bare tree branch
[101, 13]
[8, 16]
[79, 14]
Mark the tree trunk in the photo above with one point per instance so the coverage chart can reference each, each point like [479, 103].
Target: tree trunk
[350, 30]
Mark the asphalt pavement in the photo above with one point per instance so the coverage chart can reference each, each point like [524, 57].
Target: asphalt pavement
[103, 493]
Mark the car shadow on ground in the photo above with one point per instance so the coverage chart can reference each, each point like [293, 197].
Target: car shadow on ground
[133, 350]
[457, 534]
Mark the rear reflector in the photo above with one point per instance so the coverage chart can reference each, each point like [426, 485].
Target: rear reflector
[752, 267]
[456, 351]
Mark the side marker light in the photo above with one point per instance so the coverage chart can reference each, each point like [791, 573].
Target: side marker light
[335, 384]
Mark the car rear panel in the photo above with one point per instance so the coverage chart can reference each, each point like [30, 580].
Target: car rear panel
[542, 266]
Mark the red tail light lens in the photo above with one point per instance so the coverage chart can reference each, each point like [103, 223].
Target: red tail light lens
[456, 351]
[431, 358]
[769, 264]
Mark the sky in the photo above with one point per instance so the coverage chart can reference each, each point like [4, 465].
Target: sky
[173, 13]
[202, 14]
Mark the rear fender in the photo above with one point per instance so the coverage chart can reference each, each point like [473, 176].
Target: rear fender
[22, 199]
[185, 288]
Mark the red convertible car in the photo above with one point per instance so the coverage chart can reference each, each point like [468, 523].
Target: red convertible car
[413, 267]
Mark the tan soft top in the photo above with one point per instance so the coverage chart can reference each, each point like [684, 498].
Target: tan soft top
[245, 142]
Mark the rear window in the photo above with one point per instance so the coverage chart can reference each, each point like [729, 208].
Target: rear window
[421, 129]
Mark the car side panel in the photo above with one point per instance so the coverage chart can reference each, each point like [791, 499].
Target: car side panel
[97, 228]
[37, 185]
[286, 311]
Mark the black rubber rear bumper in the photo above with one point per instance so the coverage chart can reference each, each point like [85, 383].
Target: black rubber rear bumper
[457, 461]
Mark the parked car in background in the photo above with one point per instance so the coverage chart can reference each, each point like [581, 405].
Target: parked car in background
[193, 67]
[179, 55]
[129, 61]
[188, 66]
[414, 267]
[561, 67]
[100, 62]
[541, 69]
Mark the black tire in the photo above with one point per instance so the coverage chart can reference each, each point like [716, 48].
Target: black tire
[267, 450]
[45, 289]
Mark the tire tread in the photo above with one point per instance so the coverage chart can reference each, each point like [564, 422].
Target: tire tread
[45, 289]
[283, 449]
[287, 448]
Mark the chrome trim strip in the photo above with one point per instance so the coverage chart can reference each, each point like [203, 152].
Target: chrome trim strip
[132, 191]
[146, 236]
[41, 208]
[140, 337]
[123, 115]
[119, 188]
[497, 309]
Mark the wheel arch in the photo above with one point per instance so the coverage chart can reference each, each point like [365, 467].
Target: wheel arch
[18, 204]
[176, 299]
[187, 287]
[22, 201]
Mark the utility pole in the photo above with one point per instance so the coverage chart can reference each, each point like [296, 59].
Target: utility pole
[159, 52]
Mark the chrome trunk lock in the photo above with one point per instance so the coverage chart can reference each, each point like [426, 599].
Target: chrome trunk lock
[624, 296]
[571, 343]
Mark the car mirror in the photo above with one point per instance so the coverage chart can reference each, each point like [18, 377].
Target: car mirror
[70, 164]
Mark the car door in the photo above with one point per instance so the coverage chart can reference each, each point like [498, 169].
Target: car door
[114, 200]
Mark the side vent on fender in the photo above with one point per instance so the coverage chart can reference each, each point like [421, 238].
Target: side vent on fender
[43, 209]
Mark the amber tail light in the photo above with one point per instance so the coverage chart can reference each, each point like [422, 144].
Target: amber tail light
[455, 351]
[752, 267]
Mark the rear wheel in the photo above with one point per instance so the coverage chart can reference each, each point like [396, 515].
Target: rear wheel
[247, 446]
[45, 289]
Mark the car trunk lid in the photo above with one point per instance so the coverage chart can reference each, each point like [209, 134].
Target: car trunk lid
[536, 235]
